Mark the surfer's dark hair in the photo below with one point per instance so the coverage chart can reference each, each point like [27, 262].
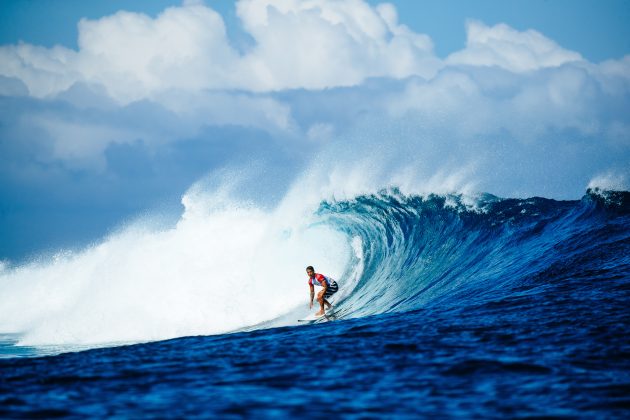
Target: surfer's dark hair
[310, 267]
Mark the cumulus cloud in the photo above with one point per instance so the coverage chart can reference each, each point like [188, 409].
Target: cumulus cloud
[505, 47]
[131, 55]
[526, 106]
[324, 43]
[181, 67]
[311, 44]
[297, 44]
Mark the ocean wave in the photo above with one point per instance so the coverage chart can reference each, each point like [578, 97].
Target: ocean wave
[226, 267]
[419, 251]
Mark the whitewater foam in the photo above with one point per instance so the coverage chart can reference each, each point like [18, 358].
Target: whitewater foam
[223, 266]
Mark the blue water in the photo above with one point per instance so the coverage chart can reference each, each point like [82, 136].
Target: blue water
[497, 308]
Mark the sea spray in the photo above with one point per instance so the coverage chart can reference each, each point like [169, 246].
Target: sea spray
[225, 265]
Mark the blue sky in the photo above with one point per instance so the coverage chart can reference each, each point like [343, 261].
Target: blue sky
[511, 98]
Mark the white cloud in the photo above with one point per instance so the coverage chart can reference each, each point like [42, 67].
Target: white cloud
[134, 55]
[526, 106]
[505, 47]
[44, 71]
[323, 43]
[314, 44]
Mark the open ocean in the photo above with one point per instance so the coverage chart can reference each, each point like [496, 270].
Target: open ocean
[447, 307]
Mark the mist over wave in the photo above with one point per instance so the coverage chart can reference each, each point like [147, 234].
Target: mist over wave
[225, 265]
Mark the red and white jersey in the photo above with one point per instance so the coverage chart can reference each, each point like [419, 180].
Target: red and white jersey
[319, 280]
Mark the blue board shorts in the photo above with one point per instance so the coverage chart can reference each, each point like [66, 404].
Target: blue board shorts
[331, 289]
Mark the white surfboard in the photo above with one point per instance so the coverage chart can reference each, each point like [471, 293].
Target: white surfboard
[313, 317]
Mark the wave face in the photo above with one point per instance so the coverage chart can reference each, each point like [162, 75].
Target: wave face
[391, 252]
[417, 252]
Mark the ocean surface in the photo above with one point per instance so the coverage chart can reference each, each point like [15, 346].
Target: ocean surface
[449, 307]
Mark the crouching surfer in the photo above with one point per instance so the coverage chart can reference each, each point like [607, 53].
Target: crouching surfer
[328, 285]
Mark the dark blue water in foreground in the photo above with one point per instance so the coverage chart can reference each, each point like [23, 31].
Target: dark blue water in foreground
[515, 308]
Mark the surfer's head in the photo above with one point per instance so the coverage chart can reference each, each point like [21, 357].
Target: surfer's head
[310, 271]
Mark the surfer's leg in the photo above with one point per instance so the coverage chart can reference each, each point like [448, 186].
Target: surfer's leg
[321, 300]
[328, 305]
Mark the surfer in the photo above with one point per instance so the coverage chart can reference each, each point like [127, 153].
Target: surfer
[328, 285]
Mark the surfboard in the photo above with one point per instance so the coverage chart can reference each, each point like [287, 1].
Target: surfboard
[312, 318]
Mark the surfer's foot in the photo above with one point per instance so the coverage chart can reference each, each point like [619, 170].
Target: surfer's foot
[320, 313]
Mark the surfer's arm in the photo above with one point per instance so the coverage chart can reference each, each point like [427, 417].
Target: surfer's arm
[312, 293]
